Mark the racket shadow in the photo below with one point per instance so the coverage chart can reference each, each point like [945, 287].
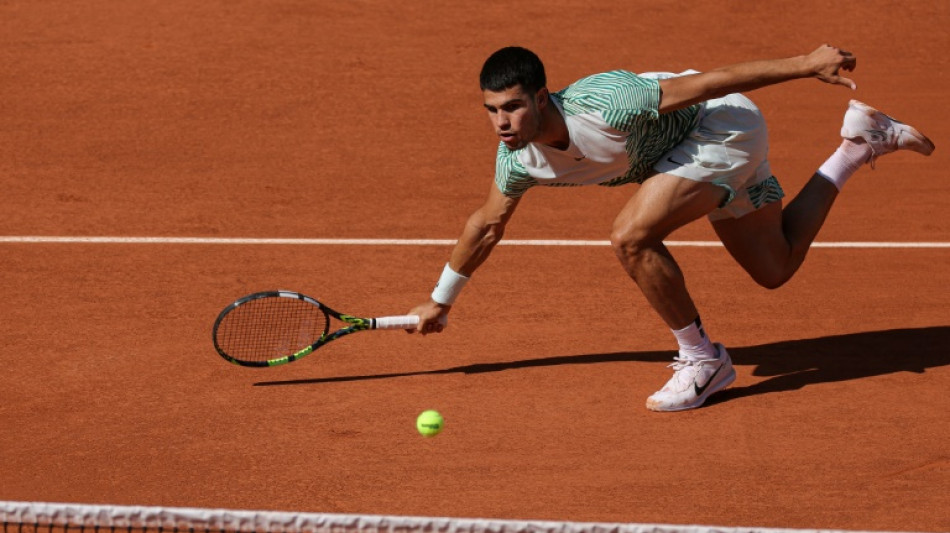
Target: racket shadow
[787, 365]
[481, 368]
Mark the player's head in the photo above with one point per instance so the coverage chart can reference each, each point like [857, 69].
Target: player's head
[512, 66]
[514, 87]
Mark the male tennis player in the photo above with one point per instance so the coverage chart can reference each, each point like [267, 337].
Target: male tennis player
[697, 148]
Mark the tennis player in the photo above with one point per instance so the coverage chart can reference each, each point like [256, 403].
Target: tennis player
[697, 147]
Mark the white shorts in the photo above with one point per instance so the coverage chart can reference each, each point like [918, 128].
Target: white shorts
[729, 147]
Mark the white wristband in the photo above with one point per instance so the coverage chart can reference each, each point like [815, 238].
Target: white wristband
[449, 286]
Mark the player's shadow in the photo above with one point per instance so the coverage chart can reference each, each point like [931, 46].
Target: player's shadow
[789, 365]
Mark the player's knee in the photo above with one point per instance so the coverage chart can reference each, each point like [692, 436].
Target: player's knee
[775, 272]
[771, 279]
[630, 242]
[770, 283]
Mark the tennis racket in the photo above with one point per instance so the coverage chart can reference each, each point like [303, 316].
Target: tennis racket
[278, 327]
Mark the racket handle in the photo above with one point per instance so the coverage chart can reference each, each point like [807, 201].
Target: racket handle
[397, 322]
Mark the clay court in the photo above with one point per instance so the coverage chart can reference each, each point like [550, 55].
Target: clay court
[363, 120]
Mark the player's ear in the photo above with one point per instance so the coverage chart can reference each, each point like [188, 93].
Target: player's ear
[541, 97]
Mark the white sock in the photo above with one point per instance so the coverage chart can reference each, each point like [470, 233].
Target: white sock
[693, 341]
[846, 160]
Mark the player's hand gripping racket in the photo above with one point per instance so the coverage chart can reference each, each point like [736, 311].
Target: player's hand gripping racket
[274, 328]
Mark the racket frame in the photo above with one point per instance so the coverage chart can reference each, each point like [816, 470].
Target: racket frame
[355, 324]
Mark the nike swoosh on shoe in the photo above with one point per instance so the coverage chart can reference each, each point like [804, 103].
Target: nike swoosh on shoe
[700, 390]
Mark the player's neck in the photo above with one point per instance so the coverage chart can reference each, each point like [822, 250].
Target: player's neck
[553, 128]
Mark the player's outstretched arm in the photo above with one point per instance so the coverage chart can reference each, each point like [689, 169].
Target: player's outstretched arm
[825, 63]
[483, 230]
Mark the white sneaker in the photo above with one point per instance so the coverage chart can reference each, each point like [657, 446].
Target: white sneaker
[883, 134]
[693, 381]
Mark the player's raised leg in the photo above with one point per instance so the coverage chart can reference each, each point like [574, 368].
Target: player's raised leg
[663, 204]
[771, 243]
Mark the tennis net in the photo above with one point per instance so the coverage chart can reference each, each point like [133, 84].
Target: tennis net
[36, 517]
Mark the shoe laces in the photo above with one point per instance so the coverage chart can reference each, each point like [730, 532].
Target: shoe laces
[881, 139]
[885, 135]
[680, 363]
[686, 369]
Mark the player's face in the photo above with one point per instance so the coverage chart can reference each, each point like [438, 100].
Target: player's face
[515, 115]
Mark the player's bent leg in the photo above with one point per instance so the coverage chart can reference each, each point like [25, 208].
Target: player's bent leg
[757, 243]
[771, 243]
[663, 204]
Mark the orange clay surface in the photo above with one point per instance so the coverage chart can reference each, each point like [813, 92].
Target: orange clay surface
[363, 119]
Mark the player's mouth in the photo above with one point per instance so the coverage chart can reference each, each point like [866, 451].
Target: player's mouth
[508, 138]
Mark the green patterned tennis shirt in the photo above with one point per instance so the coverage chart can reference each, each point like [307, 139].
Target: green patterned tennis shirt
[617, 134]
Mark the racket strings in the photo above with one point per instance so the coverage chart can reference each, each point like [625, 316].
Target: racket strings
[269, 328]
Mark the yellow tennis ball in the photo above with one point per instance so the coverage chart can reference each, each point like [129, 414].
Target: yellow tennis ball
[429, 423]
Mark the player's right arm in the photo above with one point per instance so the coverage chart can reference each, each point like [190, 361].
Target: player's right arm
[483, 230]
[825, 64]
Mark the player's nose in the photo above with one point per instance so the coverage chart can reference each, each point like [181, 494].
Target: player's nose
[502, 122]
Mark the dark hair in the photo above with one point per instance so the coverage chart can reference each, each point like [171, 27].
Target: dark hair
[513, 66]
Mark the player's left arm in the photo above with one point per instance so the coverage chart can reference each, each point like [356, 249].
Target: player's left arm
[824, 63]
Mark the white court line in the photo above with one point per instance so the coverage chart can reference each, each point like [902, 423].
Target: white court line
[411, 242]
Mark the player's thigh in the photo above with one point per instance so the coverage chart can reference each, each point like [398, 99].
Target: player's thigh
[756, 240]
[662, 204]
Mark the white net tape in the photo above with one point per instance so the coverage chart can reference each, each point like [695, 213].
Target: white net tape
[36, 517]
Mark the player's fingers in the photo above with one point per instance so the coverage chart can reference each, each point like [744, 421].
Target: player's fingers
[849, 63]
[847, 82]
[428, 326]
